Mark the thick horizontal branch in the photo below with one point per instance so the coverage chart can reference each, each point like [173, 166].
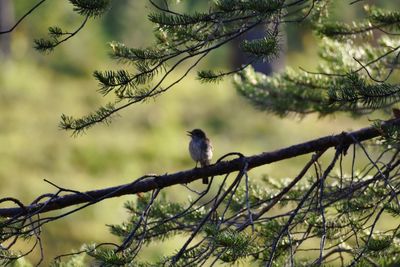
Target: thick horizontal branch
[148, 183]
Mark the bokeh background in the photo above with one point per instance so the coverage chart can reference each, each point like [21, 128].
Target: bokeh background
[35, 89]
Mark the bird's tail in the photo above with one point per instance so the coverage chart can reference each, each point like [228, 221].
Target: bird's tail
[204, 163]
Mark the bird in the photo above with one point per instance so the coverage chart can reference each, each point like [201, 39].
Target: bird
[200, 149]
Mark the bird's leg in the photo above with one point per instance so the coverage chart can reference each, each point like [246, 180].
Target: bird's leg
[196, 164]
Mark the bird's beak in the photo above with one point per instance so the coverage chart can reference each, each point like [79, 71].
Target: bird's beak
[189, 133]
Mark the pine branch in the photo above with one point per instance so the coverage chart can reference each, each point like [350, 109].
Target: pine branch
[378, 19]
[47, 45]
[90, 8]
[195, 53]
[151, 182]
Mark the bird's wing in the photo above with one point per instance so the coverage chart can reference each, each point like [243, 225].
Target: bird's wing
[204, 145]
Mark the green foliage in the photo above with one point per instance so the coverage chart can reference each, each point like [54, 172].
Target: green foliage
[376, 18]
[393, 209]
[353, 75]
[108, 257]
[55, 32]
[232, 245]
[390, 135]
[161, 223]
[267, 93]
[222, 241]
[334, 29]
[182, 39]
[387, 18]
[256, 193]
[150, 56]
[262, 49]
[73, 261]
[352, 91]
[378, 243]
[90, 8]
[78, 126]
[45, 45]
[259, 6]
[7, 257]
[86, 8]
[209, 76]
[184, 20]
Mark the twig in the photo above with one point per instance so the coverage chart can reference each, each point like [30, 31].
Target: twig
[208, 215]
[23, 17]
[131, 235]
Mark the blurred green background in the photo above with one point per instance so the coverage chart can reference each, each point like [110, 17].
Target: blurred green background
[35, 89]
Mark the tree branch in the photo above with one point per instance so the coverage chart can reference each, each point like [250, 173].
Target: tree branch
[151, 182]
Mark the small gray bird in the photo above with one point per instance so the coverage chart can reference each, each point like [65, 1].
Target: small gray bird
[200, 149]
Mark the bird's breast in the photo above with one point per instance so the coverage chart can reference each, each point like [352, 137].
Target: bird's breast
[195, 150]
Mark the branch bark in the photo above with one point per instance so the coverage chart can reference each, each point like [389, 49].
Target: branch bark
[151, 182]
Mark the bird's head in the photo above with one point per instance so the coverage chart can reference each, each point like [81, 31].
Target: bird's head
[196, 133]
